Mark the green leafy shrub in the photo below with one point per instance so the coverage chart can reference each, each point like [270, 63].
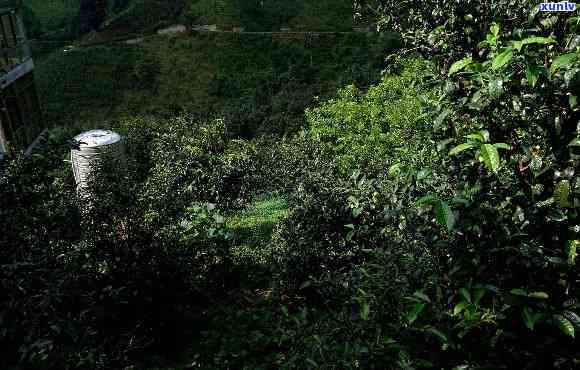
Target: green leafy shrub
[508, 210]
[444, 29]
[370, 130]
[84, 281]
[193, 162]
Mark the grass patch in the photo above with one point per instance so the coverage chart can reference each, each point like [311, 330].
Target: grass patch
[253, 227]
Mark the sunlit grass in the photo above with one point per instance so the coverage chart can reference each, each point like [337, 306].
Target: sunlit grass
[252, 227]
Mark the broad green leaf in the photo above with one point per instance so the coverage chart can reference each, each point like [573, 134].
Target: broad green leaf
[460, 64]
[573, 318]
[442, 337]
[532, 74]
[462, 147]
[572, 251]
[533, 40]
[519, 292]
[443, 144]
[427, 199]
[485, 135]
[573, 101]
[562, 193]
[479, 137]
[502, 59]
[365, 311]
[441, 117]
[572, 20]
[549, 22]
[530, 318]
[465, 294]
[563, 61]
[502, 146]
[423, 364]
[389, 341]
[395, 169]
[459, 308]
[424, 173]
[350, 235]
[422, 296]
[458, 200]
[539, 295]
[557, 261]
[574, 142]
[494, 29]
[479, 293]
[484, 44]
[414, 312]
[564, 324]
[490, 157]
[444, 215]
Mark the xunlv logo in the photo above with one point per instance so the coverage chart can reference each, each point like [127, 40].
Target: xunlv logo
[563, 6]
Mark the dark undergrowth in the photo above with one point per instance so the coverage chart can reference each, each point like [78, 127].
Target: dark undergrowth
[426, 218]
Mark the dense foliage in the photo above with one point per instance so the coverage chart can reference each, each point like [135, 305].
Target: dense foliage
[425, 220]
[271, 15]
[256, 84]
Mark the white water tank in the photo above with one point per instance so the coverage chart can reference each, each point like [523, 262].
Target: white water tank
[90, 151]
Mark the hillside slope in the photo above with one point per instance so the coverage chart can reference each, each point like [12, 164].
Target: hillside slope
[256, 83]
[271, 15]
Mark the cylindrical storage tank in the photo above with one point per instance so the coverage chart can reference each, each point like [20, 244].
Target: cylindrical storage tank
[91, 151]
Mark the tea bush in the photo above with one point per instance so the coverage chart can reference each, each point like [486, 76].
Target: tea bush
[84, 281]
[370, 129]
[340, 216]
[482, 196]
[432, 217]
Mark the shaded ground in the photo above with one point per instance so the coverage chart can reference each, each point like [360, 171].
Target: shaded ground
[232, 327]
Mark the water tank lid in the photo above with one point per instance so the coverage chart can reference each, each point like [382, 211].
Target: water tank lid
[95, 138]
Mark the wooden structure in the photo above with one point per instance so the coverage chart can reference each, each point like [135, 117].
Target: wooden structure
[20, 116]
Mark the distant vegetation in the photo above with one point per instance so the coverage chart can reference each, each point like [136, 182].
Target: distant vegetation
[62, 19]
[356, 202]
[69, 19]
[257, 84]
[271, 15]
[51, 16]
